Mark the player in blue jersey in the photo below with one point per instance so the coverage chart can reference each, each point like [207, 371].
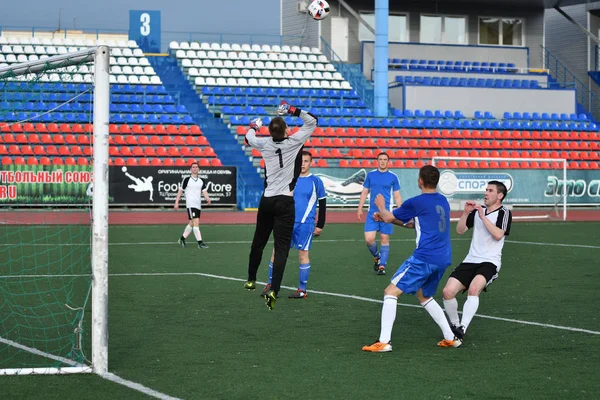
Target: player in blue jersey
[384, 182]
[421, 273]
[309, 190]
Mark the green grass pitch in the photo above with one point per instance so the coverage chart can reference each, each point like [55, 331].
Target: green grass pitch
[182, 324]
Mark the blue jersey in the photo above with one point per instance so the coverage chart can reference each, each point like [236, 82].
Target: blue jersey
[384, 183]
[431, 213]
[309, 189]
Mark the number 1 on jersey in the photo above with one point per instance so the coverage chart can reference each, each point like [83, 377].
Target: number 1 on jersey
[278, 152]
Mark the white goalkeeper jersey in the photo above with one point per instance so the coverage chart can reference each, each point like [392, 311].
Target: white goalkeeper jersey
[283, 160]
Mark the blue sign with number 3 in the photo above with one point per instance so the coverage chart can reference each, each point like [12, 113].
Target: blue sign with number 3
[144, 28]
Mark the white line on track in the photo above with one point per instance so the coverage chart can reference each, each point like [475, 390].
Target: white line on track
[583, 246]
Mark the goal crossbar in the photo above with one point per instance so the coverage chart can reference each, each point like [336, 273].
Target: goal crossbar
[100, 55]
[63, 60]
[562, 161]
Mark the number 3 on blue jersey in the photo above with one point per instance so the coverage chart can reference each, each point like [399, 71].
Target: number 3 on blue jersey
[442, 222]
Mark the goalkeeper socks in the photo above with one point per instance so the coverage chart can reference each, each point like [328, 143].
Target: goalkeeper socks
[197, 233]
[436, 312]
[304, 272]
[384, 252]
[187, 231]
[270, 272]
[451, 307]
[373, 249]
[388, 316]
[469, 310]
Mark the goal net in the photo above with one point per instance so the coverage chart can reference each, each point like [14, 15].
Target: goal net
[537, 187]
[53, 222]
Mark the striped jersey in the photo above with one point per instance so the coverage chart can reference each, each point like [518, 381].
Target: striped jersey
[193, 188]
[283, 159]
[484, 248]
[309, 190]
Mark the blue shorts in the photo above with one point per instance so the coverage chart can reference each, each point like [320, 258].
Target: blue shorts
[374, 226]
[415, 274]
[302, 236]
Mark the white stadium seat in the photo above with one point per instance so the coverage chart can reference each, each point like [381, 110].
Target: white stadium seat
[236, 47]
[195, 46]
[174, 45]
[144, 80]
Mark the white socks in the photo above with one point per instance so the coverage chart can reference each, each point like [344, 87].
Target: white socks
[187, 231]
[451, 307]
[469, 310]
[197, 233]
[436, 312]
[388, 316]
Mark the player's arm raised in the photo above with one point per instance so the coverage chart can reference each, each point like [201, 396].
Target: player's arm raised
[466, 219]
[496, 232]
[310, 121]
[250, 138]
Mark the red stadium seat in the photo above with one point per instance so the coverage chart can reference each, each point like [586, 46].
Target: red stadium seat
[160, 130]
[195, 130]
[184, 130]
[124, 129]
[82, 161]
[204, 162]
[180, 162]
[179, 141]
[157, 162]
[144, 162]
[70, 161]
[168, 162]
[215, 162]
[119, 161]
[137, 151]
[132, 161]
[149, 130]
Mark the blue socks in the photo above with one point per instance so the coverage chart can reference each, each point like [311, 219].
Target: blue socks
[304, 272]
[385, 253]
[373, 249]
[270, 272]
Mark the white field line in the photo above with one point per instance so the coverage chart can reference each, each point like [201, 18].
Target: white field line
[341, 295]
[108, 376]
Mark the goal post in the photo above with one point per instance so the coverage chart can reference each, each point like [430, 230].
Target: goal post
[473, 172]
[51, 262]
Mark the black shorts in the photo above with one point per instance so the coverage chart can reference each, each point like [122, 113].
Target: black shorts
[466, 272]
[193, 213]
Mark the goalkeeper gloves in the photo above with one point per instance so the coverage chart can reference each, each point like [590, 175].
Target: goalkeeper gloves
[255, 124]
[284, 108]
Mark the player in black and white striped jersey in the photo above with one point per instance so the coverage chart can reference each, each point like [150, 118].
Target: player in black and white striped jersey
[491, 224]
[282, 153]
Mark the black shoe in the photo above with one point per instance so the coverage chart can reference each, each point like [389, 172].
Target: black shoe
[202, 245]
[381, 271]
[270, 299]
[459, 331]
[376, 264]
[181, 241]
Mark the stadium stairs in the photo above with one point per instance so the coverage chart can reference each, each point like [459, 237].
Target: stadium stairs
[225, 144]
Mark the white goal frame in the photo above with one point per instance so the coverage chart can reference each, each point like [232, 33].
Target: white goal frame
[101, 57]
[559, 160]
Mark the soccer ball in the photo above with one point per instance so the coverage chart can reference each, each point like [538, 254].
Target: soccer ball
[318, 9]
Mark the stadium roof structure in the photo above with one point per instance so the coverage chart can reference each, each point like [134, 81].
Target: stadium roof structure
[519, 3]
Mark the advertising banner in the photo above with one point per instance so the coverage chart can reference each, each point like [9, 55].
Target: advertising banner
[44, 184]
[159, 185]
[526, 187]
[67, 185]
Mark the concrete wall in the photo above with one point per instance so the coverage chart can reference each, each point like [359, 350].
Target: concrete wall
[534, 21]
[498, 101]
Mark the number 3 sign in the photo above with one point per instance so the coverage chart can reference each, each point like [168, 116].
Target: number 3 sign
[144, 28]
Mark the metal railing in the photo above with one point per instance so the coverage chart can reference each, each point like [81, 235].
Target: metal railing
[566, 79]
[356, 78]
